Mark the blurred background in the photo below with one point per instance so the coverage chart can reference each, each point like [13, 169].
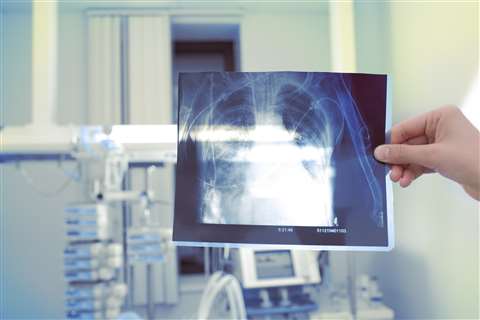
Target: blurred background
[116, 62]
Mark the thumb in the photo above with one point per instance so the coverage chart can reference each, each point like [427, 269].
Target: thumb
[405, 154]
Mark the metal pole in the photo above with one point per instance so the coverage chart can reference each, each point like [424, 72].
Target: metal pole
[126, 185]
[150, 293]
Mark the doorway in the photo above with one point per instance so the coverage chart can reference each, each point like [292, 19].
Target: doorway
[199, 49]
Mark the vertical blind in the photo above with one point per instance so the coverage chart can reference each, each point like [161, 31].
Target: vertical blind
[133, 63]
[104, 70]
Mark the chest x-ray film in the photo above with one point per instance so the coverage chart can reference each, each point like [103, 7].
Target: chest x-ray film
[283, 158]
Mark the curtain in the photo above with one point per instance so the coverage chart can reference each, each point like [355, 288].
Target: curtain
[104, 70]
[150, 81]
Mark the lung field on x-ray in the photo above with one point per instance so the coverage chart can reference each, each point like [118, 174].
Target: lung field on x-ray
[264, 146]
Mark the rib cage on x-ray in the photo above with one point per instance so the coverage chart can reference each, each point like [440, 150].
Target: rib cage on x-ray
[263, 145]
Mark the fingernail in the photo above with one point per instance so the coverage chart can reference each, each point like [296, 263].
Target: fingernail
[382, 153]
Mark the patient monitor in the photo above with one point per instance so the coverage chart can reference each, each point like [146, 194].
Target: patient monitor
[274, 281]
[266, 268]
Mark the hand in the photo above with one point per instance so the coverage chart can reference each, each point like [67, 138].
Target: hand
[442, 141]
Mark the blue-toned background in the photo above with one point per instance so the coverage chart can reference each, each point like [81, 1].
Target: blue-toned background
[429, 48]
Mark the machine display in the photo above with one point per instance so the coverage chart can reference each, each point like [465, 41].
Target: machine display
[274, 264]
[283, 158]
[263, 268]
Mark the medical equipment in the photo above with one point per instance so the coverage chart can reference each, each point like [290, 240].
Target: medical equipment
[276, 281]
[92, 264]
[147, 242]
[152, 260]
[150, 250]
[88, 223]
[103, 156]
[261, 268]
[368, 292]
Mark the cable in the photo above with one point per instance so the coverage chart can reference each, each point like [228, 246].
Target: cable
[238, 293]
[208, 303]
[218, 282]
[207, 291]
[43, 193]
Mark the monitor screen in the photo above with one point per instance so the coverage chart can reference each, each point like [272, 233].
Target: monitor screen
[274, 264]
[282, 158]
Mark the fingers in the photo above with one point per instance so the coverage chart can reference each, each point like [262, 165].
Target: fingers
[472, 192]
[411, 173]
[417, 140]
[409, 154]
[422, 155]
[405, 176]
[396, 173]
[408, 129]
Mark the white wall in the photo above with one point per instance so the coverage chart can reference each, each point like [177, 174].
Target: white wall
[432, 55]
[72, 68]
[285, 41]
[16, 47]
[34, 228]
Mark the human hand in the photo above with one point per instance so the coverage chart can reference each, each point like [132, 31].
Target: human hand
[442, 141]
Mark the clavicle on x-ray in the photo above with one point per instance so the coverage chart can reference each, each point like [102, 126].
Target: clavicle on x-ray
[275, 149]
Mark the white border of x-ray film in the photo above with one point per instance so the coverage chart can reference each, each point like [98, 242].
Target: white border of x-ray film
[388, 197]
[388, 182]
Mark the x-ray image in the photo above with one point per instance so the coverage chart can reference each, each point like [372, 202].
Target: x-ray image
[281, 158]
